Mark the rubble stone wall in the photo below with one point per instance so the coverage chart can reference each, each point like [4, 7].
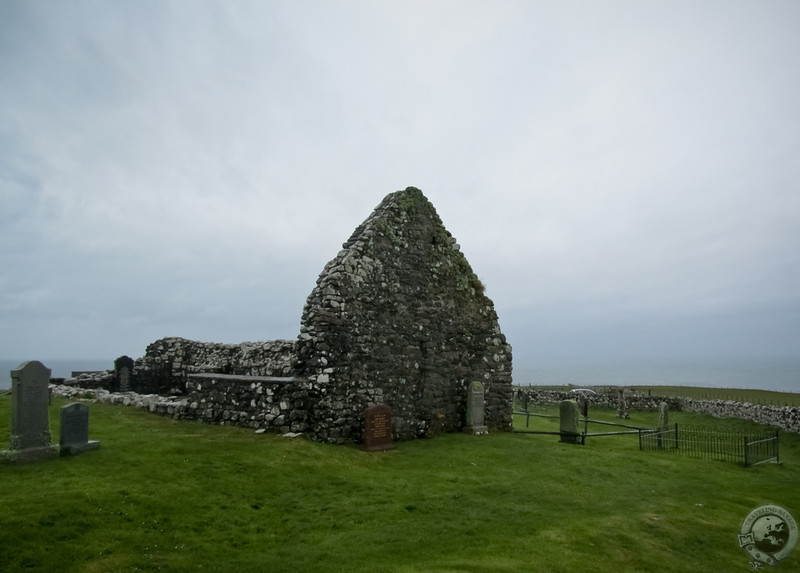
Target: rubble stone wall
[784, 417]
[167, 362]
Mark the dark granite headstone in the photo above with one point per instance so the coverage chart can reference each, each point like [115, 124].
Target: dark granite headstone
[30, 422]
[74, 434]
[123, 370]
[476, 423]
[378, 428]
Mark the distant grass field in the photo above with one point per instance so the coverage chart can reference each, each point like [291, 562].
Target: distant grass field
[766, 397]
[162, 495]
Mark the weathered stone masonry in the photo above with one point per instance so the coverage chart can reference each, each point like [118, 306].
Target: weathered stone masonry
[398, 317]
[165, 367]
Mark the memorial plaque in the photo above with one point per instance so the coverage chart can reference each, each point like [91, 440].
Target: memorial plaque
[378, 429]
[74, 434]
[476, 415]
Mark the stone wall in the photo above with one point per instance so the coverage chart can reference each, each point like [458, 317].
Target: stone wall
[601, 399]
[398, 317]
[167, 362]
[784, 417]
[274, 404]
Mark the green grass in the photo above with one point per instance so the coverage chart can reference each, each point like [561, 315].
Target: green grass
[766, 397]
[161, 495]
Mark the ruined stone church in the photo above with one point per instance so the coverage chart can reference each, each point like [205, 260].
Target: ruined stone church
[398, 317]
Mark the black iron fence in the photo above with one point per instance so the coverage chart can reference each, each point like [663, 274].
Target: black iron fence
[711, 443]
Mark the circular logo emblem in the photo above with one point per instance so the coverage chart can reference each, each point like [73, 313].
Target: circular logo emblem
[769, 534]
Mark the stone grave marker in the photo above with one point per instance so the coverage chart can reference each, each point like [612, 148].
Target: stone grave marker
[476, 416]
[663, 416]
[378, 428]
[74, 434]
[622, 404]
[123, 369]
[570, 422]
[30, 422]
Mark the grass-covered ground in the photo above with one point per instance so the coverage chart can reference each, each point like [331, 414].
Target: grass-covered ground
[182, 496]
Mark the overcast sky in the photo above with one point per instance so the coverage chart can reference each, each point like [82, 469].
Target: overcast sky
[623, 175]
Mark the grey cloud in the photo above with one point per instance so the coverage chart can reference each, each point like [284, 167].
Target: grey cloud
[617, 173]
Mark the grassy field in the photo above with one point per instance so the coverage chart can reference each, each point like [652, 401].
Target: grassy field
[766, 397]
[162, 495]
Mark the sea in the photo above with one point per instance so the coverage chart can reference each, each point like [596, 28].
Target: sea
[780, 374]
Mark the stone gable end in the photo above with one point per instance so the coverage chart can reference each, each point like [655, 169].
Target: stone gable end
[398, 317]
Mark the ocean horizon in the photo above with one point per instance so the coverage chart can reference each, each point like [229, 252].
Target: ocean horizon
[779, 374]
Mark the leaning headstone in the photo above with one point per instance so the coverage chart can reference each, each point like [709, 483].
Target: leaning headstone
[378, 428]
[30, 422]
[74, 433]
[476, 417]
[663, 416]
[570, 419]
[123, 370]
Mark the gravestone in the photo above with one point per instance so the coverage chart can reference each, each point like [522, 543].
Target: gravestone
[378, 428]
[584, 403]
[123, 370]
[663, 416]
[476, 417]
[570, 422]
[622, 405]
[30, 423]
[74, 434]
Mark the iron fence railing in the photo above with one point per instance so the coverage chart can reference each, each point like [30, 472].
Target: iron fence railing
[712, 443]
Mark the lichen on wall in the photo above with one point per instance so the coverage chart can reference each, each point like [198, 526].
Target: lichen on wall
[398, 317]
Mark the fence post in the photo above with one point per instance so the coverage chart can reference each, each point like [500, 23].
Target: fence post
[777, 448]
[676, 435]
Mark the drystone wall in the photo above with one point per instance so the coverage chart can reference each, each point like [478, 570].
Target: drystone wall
[398, 317]
[165, 367]
[784, 417]
[273, 404]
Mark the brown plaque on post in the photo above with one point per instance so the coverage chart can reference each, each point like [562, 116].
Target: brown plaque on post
[378, 429]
